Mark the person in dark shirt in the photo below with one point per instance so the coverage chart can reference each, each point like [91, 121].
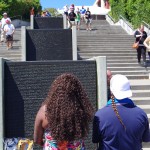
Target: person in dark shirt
[140, 36]
[120, 125]
[71, 18]
[88, 19]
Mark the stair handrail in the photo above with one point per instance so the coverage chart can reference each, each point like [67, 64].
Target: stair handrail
[113, 20]
[16, 16]
[128, 27]
[125, 20]
[147, 26]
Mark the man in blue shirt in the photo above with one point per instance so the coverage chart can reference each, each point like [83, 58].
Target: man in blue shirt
[82, 12]
[120, 125]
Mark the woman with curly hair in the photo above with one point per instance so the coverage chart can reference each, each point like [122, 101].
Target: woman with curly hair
[63, 119]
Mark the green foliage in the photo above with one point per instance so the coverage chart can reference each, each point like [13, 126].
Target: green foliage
[135, 11]
[19, 7]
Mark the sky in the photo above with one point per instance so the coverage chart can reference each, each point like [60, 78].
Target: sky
[60, 3]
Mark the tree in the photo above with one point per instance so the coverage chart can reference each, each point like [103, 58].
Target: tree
[19, 7]
[134, 11]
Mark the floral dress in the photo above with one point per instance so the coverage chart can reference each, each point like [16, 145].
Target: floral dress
[51, 144]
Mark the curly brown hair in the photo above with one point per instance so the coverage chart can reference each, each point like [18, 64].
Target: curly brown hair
[68, 109]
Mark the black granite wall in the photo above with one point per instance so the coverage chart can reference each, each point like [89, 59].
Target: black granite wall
[47, 44]
[26, 85]
[48, 23]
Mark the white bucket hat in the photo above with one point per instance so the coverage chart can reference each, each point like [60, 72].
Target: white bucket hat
[120, 86]
[4, 14]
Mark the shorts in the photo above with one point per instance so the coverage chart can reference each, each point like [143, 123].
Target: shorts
[82, 15]
[72, 22]
[88, 21]
[77, 22]
[9, 38]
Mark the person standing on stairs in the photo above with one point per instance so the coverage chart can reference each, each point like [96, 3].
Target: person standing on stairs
[147, 44]
[9, 29]
[140, 36]
[120, 125]
[71, 17]
[82, 12]
[66, 9]
[88, 19]
[3, 23]
[78, 18]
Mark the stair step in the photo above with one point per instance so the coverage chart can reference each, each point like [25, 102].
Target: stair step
[146, 110]
[142, 102]
[133, 77]
[132, 73]
[127, 68]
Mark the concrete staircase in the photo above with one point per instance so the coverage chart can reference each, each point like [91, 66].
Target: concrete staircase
[115, 43]
[15, 52]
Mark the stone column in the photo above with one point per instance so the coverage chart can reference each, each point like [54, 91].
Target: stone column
[23, 43]
[101, 81]
[74, 42]
[2, 61]
[31, 22]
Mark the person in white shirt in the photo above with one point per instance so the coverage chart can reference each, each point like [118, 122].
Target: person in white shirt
[3, 23]
[66, 9]
[9, 29]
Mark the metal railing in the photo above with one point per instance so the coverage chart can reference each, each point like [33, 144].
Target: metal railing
[129, 24]
[146, 24]
[125, 20]
[111, 18]
[16, 17]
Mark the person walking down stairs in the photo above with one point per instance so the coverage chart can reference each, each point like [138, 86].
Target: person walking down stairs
[140, 36]
[9, 29]
[88, 19]
[2, 24]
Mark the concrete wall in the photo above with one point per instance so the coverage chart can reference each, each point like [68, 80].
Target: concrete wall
[18, 23]
[48, 22]
[26, 86]
[49, 44]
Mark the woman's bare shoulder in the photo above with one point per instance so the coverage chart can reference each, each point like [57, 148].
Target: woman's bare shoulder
[41, 112]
